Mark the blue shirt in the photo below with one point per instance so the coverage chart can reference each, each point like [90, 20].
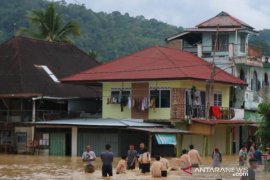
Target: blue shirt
[106, 157]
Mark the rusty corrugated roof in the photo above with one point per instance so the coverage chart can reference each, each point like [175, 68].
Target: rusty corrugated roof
[223, 19]
[21, 75]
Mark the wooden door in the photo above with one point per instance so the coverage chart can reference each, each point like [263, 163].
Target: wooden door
[139, 91]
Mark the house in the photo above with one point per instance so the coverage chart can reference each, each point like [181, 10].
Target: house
[224, 40]
[31, 91]
[159, 85]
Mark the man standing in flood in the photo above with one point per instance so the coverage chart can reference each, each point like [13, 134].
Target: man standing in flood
[88, 157]
[107, 159]
[140, 153]
[131, 157]
[194, 156]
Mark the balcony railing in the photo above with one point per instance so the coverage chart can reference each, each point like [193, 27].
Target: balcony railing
[231, 51]
[223, 113]
[42, 115]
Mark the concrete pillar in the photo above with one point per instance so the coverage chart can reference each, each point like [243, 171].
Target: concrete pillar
[150, 143]
[199, 50]
[228, 140]
[74, 141]
[179, 145]
[231, 50]
[205, 146]
[33, 120]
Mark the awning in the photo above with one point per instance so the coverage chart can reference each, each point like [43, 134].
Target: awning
[165, 130]
[98, 122]
[168, 139]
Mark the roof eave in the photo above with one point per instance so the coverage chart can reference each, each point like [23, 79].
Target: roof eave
[99, 81]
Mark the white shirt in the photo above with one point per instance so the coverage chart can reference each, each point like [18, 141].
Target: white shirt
[88, 156]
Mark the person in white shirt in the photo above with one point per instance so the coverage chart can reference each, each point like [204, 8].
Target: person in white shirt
[88, 157]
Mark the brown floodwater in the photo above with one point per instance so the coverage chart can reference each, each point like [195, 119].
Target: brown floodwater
[53, 167]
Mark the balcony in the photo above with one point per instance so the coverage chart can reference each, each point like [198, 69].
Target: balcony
[203, 51]
[215, 113]
[13, 116]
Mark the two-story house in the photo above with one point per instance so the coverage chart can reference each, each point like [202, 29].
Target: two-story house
[223, 40]
[168, 85]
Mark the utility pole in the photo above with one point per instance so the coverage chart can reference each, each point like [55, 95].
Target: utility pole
[209, 82]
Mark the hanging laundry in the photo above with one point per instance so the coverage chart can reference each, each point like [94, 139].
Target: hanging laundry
[139, 104]
[114, 100]
[153, 103]
[136, 105]
[129, 102]
[133, 103]
[144, 104]
[215, 111]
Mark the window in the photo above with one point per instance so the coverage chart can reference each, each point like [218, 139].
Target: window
[117, 94]
[162, 98]
[222, 42]
[21, 138]
[218, 99]
[254, 82]
[243, 43]
[44, 140]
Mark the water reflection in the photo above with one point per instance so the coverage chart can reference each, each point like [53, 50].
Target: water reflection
[51, 167]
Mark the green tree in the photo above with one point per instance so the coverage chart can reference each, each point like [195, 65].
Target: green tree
[264, 124]
[47, 25]
[93, 55]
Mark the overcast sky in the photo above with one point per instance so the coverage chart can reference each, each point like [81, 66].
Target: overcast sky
[187, 13]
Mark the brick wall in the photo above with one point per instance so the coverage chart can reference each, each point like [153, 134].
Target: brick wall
[177, 104]
[177, 43]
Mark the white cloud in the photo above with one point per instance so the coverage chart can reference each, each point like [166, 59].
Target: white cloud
[187, 13]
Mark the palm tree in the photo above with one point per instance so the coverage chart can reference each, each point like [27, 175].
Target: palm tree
[264, 123]
[47, 25]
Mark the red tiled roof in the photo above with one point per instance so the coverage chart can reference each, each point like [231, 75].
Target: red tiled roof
[223, 19]
[214, 122]
[155, 63]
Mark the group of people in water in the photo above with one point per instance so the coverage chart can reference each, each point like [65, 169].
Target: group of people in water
[161, 166]
[142, 157]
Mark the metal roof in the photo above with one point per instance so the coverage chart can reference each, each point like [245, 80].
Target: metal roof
[160, 130]
[20, 62]
[100, 122]
[155, 63]
[214, 122]
[223, 19]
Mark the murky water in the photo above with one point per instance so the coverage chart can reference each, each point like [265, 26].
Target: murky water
[51, 167]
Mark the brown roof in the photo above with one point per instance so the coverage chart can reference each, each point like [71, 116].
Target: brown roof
[223, 19]
[20, 72]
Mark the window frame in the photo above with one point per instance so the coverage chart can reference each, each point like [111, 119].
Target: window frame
[218, 102]
[119, 90]
[159, 96]
[44, 142]
[242, 43]
[221, 47]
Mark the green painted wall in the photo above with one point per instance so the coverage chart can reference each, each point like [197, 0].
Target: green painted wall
[58, 144]
[114, 111]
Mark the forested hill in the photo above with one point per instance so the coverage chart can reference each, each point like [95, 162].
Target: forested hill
[111, 35]
[262, 41]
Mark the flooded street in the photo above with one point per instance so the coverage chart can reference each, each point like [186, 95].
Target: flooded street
[51, 167]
